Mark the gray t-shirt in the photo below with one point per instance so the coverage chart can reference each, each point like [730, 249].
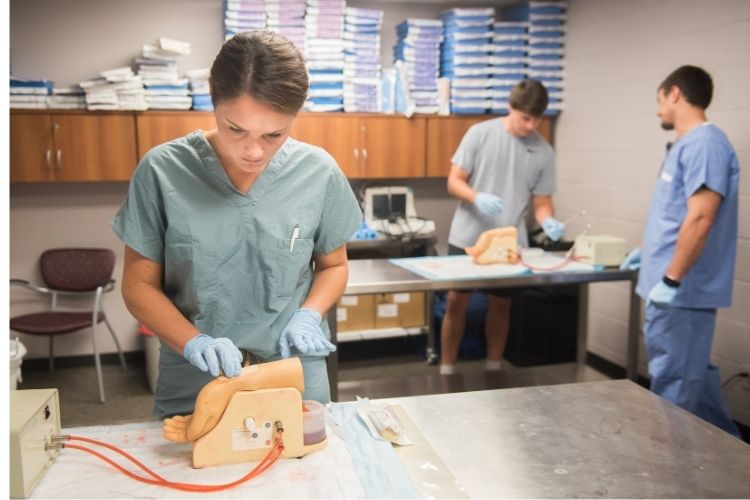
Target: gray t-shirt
[513, 168]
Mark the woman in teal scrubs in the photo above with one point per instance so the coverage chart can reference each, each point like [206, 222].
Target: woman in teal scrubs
[235, 237]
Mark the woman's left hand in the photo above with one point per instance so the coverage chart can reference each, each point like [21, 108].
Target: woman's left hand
[304, 333]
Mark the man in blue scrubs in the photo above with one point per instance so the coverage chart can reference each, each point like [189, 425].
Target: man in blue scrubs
[689, 249]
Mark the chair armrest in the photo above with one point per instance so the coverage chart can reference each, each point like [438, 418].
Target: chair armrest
[29, 286]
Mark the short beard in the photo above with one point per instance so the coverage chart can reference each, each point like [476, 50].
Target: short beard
[667, 126]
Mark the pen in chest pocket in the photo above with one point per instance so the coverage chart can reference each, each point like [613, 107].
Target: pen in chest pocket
[295, 236]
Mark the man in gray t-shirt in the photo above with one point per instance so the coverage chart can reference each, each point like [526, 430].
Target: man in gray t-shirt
[501, 166]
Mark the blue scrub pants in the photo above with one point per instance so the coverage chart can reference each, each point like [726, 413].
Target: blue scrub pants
[180, 382]
[678, 343]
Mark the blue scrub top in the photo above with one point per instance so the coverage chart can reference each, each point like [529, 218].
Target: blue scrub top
[229, 263]
[701, 158]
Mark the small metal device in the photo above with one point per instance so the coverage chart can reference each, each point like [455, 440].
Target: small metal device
[600, 250]
[34, 420]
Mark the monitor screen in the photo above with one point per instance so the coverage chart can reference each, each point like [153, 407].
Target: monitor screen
[386, 206]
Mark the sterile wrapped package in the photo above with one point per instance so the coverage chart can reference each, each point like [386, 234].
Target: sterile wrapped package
[382, 421]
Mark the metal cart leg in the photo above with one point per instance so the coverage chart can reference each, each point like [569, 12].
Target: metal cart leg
[583, 323]
[634, 325]
[332, 362]
[430, 351]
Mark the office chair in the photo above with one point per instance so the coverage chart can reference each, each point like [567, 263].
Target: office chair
[72, 273]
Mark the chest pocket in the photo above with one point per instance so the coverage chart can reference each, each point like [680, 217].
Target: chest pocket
[292, 264]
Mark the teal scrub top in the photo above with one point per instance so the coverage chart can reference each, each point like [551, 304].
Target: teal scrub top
[229, 263]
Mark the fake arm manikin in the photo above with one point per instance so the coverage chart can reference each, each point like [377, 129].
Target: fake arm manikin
[214, 397]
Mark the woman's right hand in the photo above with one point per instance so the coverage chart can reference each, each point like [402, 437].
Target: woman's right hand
[209, 355]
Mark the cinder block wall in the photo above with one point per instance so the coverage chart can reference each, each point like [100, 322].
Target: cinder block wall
[610, 145]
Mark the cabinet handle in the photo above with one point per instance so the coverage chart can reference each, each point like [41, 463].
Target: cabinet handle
[356, 157]
[364, 157]
[48, 157]
[59, 159]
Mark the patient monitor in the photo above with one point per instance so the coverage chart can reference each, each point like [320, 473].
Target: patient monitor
[390, 210]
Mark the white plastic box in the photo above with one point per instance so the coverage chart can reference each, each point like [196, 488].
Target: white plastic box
[600, 250]
[17, 352]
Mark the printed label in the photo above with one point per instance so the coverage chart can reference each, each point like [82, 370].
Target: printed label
[341, 314]
[401, 298]
[349, 300]
[387, 310]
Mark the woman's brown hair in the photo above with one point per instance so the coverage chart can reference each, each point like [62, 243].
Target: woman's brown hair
[263, 65]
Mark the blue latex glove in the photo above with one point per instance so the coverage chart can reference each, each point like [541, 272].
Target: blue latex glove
[303, 332]
[633, 260]
[662, 295]
[553, 228]
[364, 232]
[489, 204]
[209, 354]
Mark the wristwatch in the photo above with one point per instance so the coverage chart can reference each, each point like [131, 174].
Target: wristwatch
[672, 283]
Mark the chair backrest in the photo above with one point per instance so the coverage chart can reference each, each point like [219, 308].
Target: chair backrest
[77, 269]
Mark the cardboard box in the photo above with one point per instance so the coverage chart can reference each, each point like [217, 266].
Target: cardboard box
[399, 310]
[355, 312]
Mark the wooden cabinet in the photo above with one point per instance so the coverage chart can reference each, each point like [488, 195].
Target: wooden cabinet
[444, 134]
[31, 148]
[92, 146]
[158, 127]
[336, 133]
[393, 146]
[71, 147]
[367, 146]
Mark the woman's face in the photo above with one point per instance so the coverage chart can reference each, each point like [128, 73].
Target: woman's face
[250, 133]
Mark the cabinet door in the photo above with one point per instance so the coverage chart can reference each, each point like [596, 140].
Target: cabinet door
[94, 147]
[156, 128]
[393, 146]
[444, 134]
[31, 150]
[545, 129]
[336, 133]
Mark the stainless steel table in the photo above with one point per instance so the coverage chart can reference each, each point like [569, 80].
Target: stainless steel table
[608, 439]
[381, 276]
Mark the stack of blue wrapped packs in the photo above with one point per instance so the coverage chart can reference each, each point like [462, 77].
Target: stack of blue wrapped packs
[199, 88]
[546, 20]
[29, 94]
[324, 51]
[287, 17]
[466, 58]
[362, 60]
[418, 50]
[243, 15]
[509, 58]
